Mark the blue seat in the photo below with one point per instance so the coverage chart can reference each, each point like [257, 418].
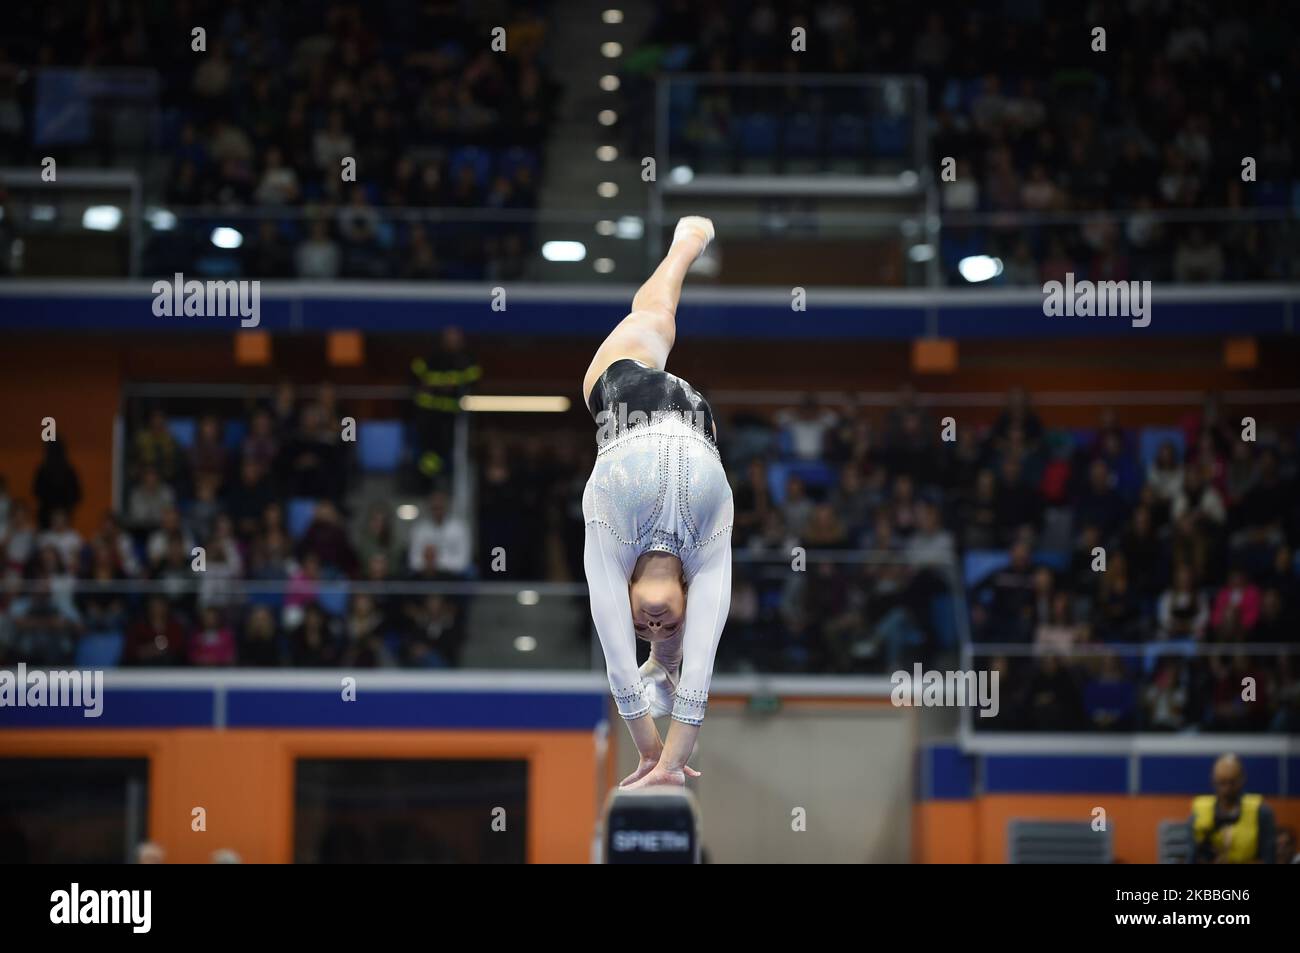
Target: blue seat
[814, 473]
[480, 160]
[803, 136]
[379, 445]
[979, 564]
[234, 433]
[757, 135]
[943, 618]
[848, 137]
[100, 650]
[1150, 439]
[516, 158]
[888, 136]
[333, 598]
[183, 430]
[299, 515]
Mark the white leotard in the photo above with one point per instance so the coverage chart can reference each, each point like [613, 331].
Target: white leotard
[659, 486]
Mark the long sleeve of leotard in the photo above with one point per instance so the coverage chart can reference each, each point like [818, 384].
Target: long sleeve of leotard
[611, 610]
[708, 600]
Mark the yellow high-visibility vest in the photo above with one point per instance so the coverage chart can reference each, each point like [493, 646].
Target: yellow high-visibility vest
[1243, 836]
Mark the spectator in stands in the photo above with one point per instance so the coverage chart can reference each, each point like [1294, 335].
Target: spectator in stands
[6, 504]
[208, 456]
[1059, 631]
[797, 508]
[213, 642]
[1165, 474]
[1100, 504]
[247, 499]
[318, 257]
[45, 628]
[65, 540]
[118, 542]
[327, 540]
[1018, 503]
[1010, 596]
[446, 533]
[806, 428]
[824, 529]
[56, 485]
[1286, 847]
[1236, 608]
[433, 632]
[205, 508]
[1052, 700]
[1183, 612]
[1110, 696]
[20, 541]
[313, 643]
[174, 571]
[1144, 553]
[158, 638]
[102, 608]
[1197, 258]
[378, 538]
[260, 445]
[1117, 615]
[313, 459]
[364, 636]
[149, 499]
[979, 514]
[931, 545]
[1230, 826]
[259, 644]
[156, 447]
[169, 527]
[753, 502]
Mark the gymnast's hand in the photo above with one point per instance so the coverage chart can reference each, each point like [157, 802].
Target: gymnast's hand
[649, 766]
[658, 775]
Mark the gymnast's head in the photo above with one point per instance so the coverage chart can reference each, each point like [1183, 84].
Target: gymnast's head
[657, 591]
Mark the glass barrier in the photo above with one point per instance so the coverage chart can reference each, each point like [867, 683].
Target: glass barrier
[1160, 686]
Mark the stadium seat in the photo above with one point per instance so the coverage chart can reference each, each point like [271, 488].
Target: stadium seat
[97, 650]
[299, 515]
[802, 136]
[379, 445]
[183, 430]
[234, 433]
[979, 564]
[848, 137]
[1150, 439]
[480, 160]
[333, 598]
[1174, 842]
[757, 136]
[888, 136]
[1057, 842]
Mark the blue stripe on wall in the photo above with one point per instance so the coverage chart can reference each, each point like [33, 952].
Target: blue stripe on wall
[1052, 774]
[1190, 774]
[947, 774]
[701, 319]
[124, 708]
[523, 711]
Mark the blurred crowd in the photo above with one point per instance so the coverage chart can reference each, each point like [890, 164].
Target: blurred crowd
[1156, 126]
[255, 130]
[269, 511]
[1117, 576]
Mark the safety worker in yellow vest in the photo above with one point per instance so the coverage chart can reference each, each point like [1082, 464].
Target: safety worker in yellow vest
[1230, 826]
[441, 380]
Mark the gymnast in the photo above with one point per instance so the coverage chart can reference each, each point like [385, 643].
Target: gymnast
[658, 514]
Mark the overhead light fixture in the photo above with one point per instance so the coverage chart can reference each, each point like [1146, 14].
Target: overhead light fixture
[513, 404]
[225, 237]
[564, 251]
[977, 268]
[101, 218]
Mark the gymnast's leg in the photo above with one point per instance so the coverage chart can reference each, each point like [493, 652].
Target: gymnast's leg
[648, 332]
